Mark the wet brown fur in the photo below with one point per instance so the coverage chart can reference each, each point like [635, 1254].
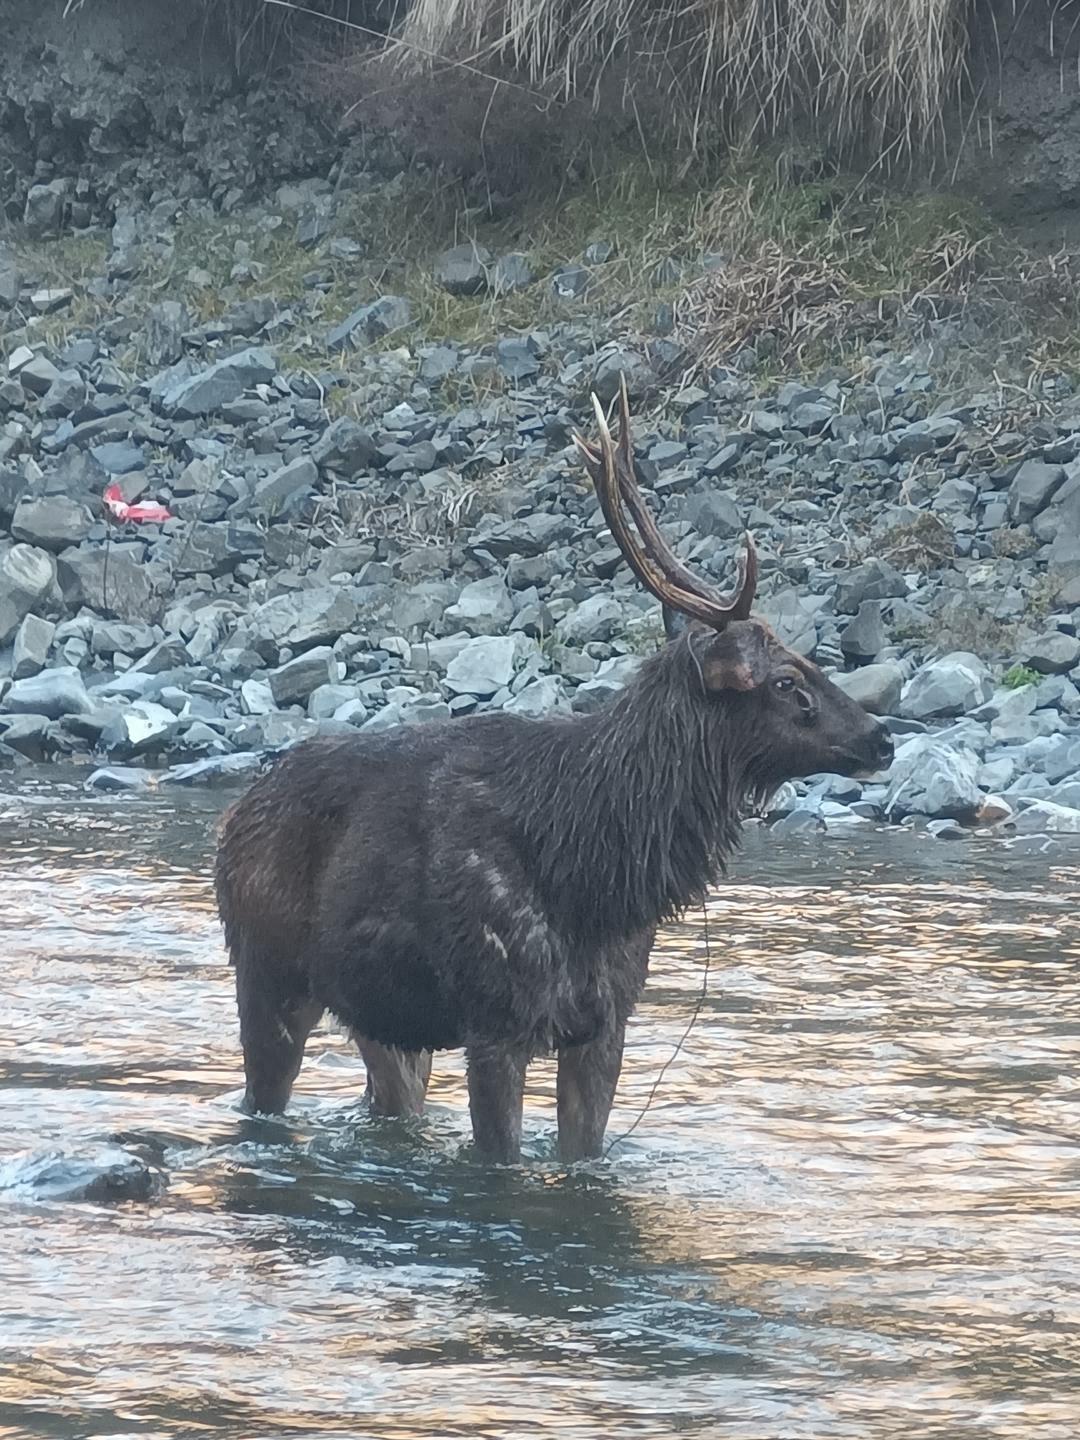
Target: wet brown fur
[495, 883]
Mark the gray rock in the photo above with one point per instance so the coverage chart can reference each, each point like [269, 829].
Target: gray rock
[144, 728]
[163, 329]
[165, 656]
[371, 322]
[932, 778]
[421, 710]
[27, 582]
[209, 390]
[103, 1174]
[517, 358]
[482, 608]
[483, 666]
[435, 655]
[53, 693]
[212, 549]
[345, 447]
[53, 523]
[66, 394]
[1046, 817]
[111, 637]
[215, 771]
[38, 375]
[118, 457]
[802, 820]
[32, 641]
[352, 712]
[31, 736]
[544, 696]
[116, 779]
[293, 682]
[794, 618]
[43, 212]
[527, 535]
[285, 484]
[599, 618]
[951, 685]
[876, 688]
[463, 270]
[318, 616]
[874, 580]
[110, 580]
[511, 272]
[640, 375]
[570, 282]
[948, 830]
[10, 282]
[713, 513]
[327, 700]
[1032, 489]
[594, 695]
[1054, 653]
[865, 637]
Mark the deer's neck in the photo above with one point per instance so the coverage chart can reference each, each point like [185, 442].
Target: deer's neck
[637, 808]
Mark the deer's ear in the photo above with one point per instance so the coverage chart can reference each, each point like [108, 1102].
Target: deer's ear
[735, 659]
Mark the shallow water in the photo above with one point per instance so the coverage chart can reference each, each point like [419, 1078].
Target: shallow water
[852, 1210]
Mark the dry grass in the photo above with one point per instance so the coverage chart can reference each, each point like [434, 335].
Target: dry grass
[924, 543]
[867, 75]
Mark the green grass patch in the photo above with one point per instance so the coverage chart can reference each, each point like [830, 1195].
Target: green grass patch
[1017, 676]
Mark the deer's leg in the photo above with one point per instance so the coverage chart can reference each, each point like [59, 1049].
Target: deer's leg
[276, 1017]
[496, 1097]
[397, 1080]
[585, 1091]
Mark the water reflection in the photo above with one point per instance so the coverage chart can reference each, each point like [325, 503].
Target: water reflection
[851, 1210]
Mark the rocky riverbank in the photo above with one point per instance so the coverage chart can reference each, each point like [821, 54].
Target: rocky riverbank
[373, 515]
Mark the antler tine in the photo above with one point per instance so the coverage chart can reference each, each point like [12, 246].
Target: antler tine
[724, 608]
[601, 463]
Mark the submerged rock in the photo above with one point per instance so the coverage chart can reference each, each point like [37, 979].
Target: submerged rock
[103, 1174]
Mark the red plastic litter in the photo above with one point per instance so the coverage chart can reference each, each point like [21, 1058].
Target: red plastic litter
[119, 509]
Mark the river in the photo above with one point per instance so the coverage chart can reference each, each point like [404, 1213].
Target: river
[851, 1210]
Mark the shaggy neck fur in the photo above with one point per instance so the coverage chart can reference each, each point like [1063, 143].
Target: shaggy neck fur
[630, 814]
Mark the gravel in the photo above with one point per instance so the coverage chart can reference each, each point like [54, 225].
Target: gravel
[396, 530]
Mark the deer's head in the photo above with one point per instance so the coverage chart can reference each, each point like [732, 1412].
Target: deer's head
[791, 719]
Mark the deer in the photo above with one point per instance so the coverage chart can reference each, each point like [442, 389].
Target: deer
[493, 882]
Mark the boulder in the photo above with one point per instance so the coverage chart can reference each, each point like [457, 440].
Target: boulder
[27, 582]
[212, 388]
[952, 685]
[1047, 817]
[864, 637]
[53, 693]
[1054, 653]
[53, 523]
[111, 581]
[371, 322]
[32, 641]
[483, 608]
[483, 666]
[600, 618]
[463, 270]
[286, 483]
[293, 682]
[1032, 489]
[876, 688]
[308, 618]
[932, 778]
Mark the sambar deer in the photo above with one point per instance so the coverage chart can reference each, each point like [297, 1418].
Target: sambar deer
[495, 882]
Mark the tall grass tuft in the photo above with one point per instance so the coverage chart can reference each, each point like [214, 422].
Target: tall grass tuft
[873, 78]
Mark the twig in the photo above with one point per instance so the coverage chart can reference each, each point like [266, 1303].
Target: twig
[698, 1004]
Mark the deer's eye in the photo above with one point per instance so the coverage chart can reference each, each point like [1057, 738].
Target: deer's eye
[785, 683]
